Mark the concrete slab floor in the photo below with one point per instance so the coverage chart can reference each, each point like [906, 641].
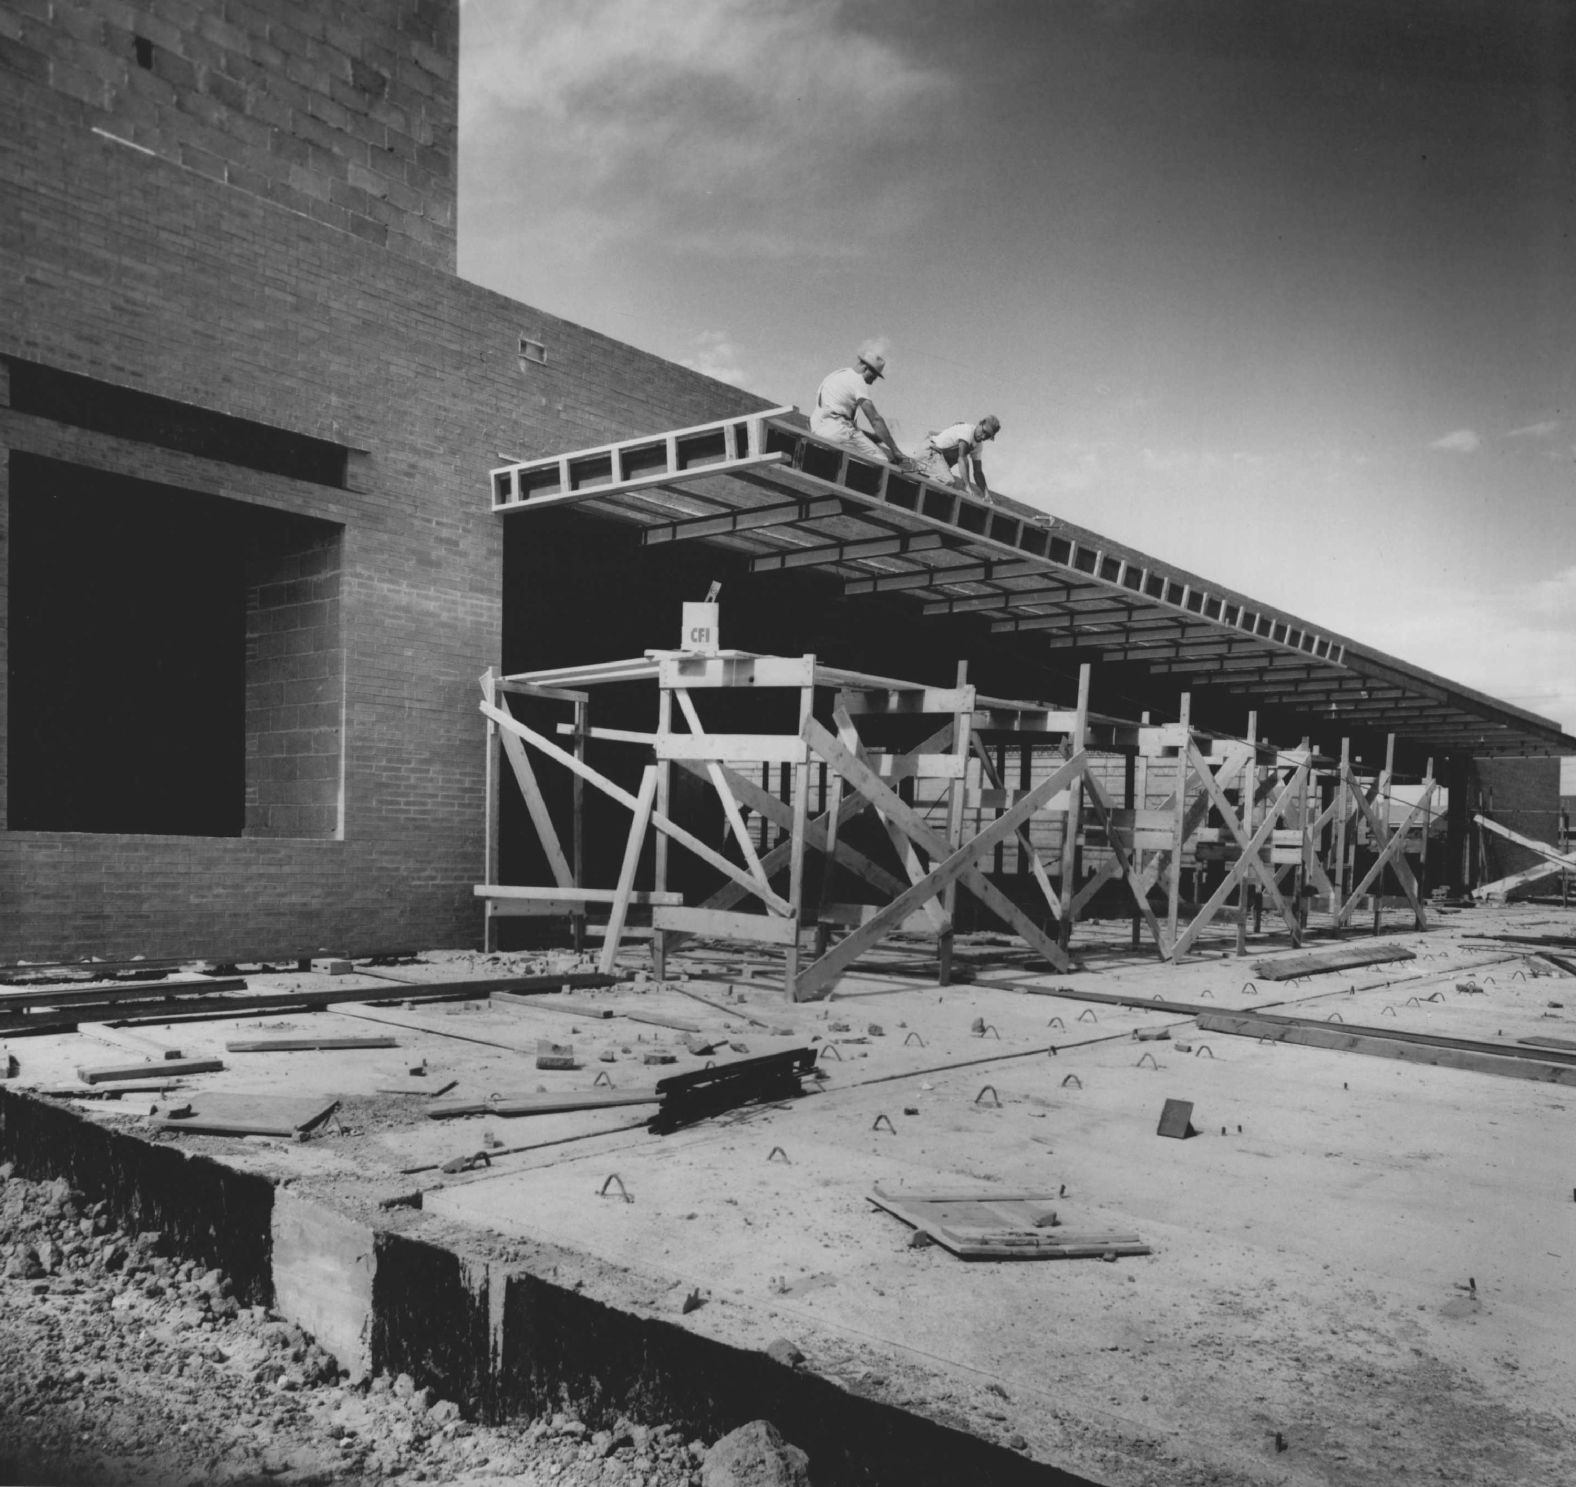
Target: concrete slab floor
[1362, 1269]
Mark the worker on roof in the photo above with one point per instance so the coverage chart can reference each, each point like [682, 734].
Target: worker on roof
[841, 396]
[950, 456]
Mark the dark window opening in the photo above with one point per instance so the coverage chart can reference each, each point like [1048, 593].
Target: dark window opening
[86, 402]
[144, 50]
[174, 663]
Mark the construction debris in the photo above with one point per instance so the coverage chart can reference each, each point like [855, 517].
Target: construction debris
[1000, 1226]
[687, 1098]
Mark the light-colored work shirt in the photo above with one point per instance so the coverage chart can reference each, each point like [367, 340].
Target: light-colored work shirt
[955, 441]
[842, 393]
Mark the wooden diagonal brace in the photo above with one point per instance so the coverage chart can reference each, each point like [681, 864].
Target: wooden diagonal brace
[626, 876]
[1392, 854]
[677, 833]
[1543, 849]
[817, 834]
[933, 909]
[1248, 861]
[525, 777]
[1119, 854]
[1197, 814]
[959, 866]
[1030, 853]
[1277, 809]
[719, 782]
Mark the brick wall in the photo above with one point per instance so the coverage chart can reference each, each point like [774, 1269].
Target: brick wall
[343, 110]
[1523, 794]
[154, 275]
[295, 687]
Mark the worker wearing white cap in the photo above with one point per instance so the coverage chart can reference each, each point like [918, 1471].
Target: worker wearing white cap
[839, 399]
[950, 456]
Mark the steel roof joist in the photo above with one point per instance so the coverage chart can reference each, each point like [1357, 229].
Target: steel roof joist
[761, 485]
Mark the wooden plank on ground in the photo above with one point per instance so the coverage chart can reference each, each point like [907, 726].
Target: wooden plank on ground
[166, 1011]
[1333, 958]
[538, 1102]
[167, 1068]
[512, 1003]
[1383, 1044]
[67, 996]
[304, 1045]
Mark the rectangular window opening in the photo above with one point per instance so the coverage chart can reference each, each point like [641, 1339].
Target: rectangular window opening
[176, 663]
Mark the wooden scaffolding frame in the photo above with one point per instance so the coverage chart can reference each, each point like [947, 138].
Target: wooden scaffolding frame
[1284, 824]
[819, 940]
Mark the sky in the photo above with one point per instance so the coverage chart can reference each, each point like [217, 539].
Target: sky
[1279, 291]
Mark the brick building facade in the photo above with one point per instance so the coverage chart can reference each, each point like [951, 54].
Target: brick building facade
[246, 418]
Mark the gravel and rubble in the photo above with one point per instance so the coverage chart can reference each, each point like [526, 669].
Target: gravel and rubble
[121, 1363]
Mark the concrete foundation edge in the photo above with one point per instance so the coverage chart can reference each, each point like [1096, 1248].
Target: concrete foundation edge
[499, 1339]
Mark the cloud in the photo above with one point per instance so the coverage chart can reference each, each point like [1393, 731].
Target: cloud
[716, 126]
[1461, 441]
[1554, 598]
[1535, 430]
[1512, 644]
[716, 356]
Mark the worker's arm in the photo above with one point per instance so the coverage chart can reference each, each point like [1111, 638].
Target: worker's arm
[881, 431]
[979, 476]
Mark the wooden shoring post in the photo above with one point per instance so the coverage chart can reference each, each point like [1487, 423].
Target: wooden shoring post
[1026, 782]
[1422, 856]
[1382, 829]
[664, 804]
[1264, 784]
[962, 730]
[1179, 825]
[1130, 802]
[801, 816]
[1249, 795]
[626, 876]
[1070, 855]
[995, 772]
[1305, 830]
[490, 845]
[1343, 814]
[1249, 860]
[577, 844]
[828, 844]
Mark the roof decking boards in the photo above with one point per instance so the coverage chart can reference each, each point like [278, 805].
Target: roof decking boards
[763, 486]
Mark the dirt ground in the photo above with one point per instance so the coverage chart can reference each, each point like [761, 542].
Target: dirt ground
[121, 1366]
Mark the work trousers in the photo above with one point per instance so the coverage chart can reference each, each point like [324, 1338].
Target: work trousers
[837, 430]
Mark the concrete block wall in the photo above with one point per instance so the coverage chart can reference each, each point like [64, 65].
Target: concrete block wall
[342, 110]
[154, 275]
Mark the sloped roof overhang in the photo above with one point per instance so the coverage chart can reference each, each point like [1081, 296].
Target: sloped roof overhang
[760, 484]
